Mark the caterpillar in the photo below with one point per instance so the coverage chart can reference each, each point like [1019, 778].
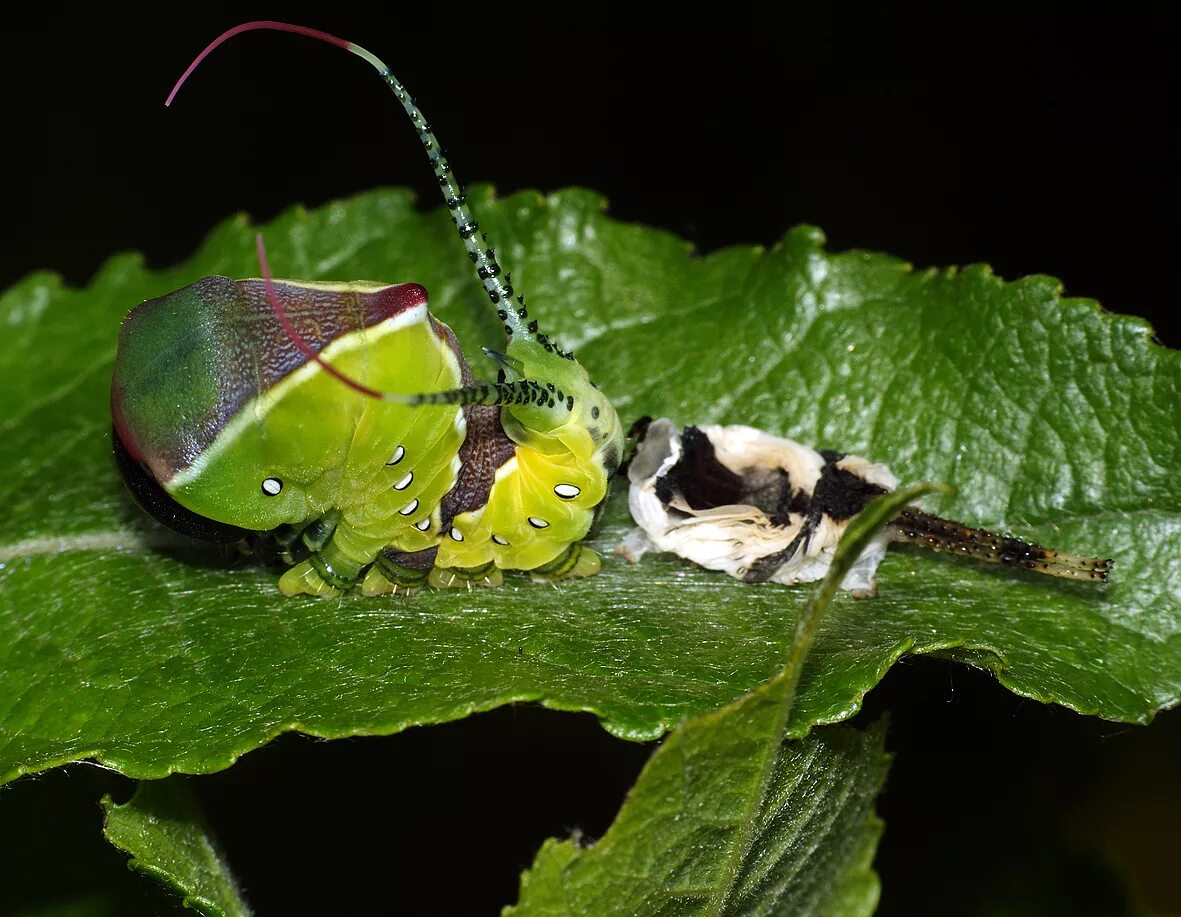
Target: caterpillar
[767, 509]
[341, 422]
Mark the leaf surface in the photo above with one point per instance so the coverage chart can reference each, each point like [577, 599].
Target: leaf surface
[162, 829]
[706, 832]
[1051, 419]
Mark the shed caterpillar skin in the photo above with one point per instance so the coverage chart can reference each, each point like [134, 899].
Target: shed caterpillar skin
[343, 421]
[767, 509]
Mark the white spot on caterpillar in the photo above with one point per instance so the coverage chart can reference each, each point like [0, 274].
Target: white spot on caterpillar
[425, 524]
[409, 508]
[405, 482]
[272, 486]
[538, 523]
[567, 491]
[500, 541]
[456, 535]
[399, 454]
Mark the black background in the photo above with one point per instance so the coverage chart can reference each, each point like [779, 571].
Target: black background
[1038, 144]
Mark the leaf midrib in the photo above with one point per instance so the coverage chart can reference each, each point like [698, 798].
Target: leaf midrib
[99, 541]
[744, 836]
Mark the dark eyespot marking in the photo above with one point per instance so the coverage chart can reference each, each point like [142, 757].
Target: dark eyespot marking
[272, 486]
[500, 541]
[538, 523]
[405, 482]
[595, 412]
[567, 491]
[409, 508]
[399, 454]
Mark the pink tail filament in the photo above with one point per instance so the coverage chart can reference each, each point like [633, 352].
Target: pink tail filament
[259, 24]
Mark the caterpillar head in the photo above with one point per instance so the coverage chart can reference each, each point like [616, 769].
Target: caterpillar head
[210, 399]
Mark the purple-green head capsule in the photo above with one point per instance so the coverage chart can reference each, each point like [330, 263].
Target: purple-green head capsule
[215, 407]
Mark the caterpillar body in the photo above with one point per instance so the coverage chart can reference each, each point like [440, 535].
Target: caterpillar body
[768, 509]
[342, 421]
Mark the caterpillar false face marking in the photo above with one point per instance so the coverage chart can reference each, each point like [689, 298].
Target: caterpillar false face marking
[342, 420]
[767, 509]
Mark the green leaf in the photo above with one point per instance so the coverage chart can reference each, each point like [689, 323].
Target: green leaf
[729, 816]
[162, 829]
[724, 820]
[1047, 415]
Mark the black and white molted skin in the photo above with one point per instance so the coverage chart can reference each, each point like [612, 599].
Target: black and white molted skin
[759, 507]
[767, 509]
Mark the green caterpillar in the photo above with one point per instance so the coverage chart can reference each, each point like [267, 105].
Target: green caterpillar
[342, 420]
